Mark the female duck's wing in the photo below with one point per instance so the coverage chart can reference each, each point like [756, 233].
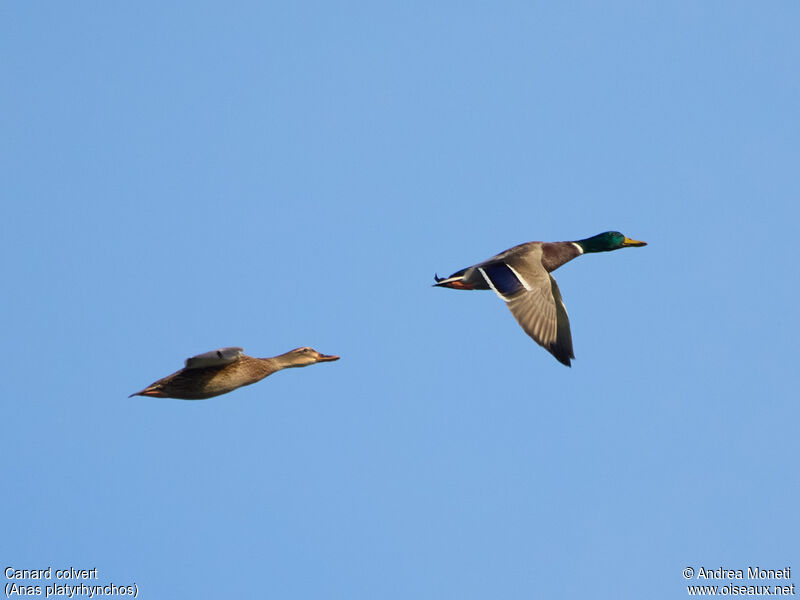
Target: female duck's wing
[215, 358]
[532, 296]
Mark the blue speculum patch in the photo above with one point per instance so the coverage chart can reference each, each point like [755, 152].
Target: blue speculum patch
[503, 279]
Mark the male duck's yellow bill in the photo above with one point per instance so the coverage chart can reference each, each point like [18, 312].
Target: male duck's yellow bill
[629, 242]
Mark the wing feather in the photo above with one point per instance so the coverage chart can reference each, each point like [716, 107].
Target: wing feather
[215, 358]
[533, 297]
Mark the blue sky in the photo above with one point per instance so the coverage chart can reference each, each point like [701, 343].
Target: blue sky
[183, 176]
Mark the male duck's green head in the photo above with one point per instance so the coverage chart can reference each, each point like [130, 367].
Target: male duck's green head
[610, 240]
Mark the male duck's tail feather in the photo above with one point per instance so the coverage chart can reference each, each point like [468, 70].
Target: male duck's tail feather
[455, 281]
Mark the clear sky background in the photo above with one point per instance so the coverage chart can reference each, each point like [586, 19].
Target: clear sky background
[181, 176]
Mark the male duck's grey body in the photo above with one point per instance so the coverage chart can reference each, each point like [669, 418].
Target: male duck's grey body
[521, 277]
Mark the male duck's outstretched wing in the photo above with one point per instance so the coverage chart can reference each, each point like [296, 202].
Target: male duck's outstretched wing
[215, 358]
[532, 296]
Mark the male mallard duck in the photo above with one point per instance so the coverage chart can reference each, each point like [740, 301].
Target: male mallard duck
[521, 277]
[222, 371]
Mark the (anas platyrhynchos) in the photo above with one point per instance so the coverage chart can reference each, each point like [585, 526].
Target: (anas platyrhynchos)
[222, 371]
[521, 277]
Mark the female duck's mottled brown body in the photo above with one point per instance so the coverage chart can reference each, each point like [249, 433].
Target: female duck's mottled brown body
[222, 371]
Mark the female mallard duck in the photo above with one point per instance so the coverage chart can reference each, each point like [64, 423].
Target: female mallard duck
[222, 371]
[521, 277]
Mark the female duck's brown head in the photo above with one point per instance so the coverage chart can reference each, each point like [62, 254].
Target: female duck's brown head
[222, 371]
[304, 356]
